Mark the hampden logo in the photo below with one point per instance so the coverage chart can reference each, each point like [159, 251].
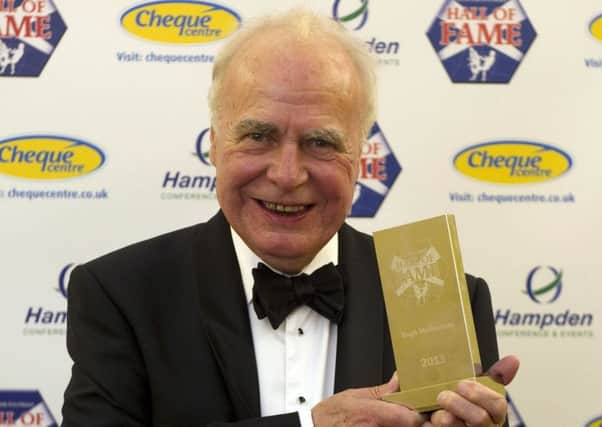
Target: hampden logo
[180, 185]
[481, 42]
[29, 33]
[48, 157]
[180, 22]
[41, 320]
[378, 171]
[24, 408]
[543, 285]
[202, 147]
[595, 27]
[547, 283]
[512, 162]
[353, 13]
[64, 276]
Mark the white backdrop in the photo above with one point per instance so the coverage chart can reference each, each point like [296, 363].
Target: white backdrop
[144, 117]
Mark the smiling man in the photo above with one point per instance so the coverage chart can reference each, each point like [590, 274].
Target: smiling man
[245, 320]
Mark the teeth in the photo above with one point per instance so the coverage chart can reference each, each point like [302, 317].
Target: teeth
[284, 208]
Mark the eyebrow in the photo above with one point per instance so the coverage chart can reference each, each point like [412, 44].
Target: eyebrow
[251, 125]
[331, 135]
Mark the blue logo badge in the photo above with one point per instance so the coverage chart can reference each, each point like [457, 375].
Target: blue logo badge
[354, 14]
[29, 33]
[24, 408]
[481, 42]
[544, 285]
[378, 171]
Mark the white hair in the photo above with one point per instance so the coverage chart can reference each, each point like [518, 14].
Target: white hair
[305, 24]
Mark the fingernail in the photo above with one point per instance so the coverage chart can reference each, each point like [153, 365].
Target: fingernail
[463, 387]
[444, 396]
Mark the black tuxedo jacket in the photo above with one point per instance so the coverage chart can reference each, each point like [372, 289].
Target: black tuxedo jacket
[160, 336]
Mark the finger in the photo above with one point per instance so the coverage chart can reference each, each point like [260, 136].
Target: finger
[504, 370]
[493, 403]
[377, 392]
[471, 413]
[442, 418]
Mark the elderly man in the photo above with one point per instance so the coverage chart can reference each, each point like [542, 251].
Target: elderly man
[186, 329]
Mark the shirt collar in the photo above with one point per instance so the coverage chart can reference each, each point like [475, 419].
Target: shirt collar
[247, 260]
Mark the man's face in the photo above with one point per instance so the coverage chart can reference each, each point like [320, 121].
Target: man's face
[286, 147]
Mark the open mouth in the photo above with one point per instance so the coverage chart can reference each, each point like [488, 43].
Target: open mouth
[287, 210]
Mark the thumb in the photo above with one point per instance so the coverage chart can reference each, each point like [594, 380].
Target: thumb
[504, 370]
[389, 387]
[378, 391]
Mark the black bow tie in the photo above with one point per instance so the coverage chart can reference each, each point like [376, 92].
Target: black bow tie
[275, 295]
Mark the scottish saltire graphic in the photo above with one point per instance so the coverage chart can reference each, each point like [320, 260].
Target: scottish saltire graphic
[29, 33]
[24, 408]
[481, 41]
[378, 171]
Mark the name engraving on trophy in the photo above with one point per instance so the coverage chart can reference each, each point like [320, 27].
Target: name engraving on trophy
[413, 333]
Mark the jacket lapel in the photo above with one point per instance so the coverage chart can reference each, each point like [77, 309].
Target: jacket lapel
[224, 309]
[363, 352]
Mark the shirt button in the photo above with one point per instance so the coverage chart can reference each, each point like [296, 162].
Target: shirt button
[301, 399]
[300, 331]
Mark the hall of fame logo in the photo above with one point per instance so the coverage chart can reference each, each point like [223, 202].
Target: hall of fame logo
[29, 33]
[417, 275]
[481, 42]
[24, 408]
[378, 171]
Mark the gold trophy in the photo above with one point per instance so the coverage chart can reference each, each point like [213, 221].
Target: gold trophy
[428, 306]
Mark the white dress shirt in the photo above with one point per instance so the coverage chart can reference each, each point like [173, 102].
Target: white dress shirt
[296, 362]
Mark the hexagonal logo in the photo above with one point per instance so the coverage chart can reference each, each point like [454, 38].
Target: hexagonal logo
[378, 171]
[24, 408]
[29, 33]
[481, 41]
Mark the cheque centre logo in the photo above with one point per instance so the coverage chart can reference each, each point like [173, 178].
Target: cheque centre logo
[355, 17]
[512, 162]
[378, 171]
[481, 42]
[548, 282]
[48, 157]
[595, 27]
[24, 408]
[180, 22]
[596, 422]
[29, 33]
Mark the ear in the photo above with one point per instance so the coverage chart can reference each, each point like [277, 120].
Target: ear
[212, 155]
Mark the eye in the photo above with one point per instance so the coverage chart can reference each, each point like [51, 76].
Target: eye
[257, 136]
[322, 144]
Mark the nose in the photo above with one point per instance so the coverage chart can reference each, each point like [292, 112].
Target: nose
[287, 168]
